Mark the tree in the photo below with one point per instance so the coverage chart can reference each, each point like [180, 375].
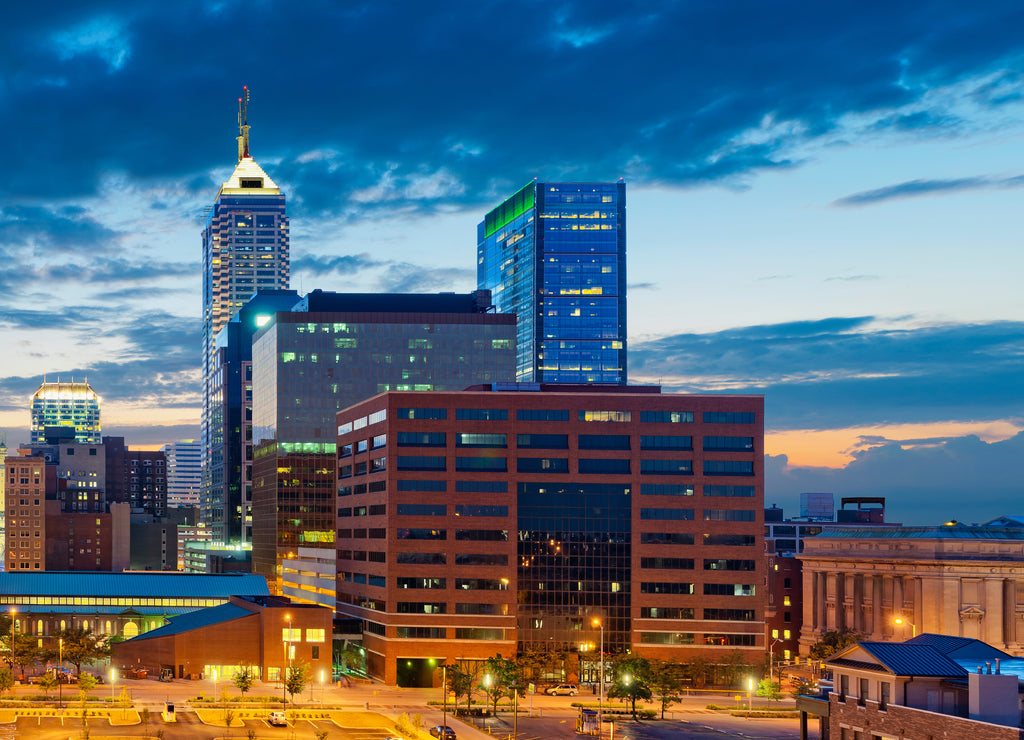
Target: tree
[460, 683]
[296, 679]
[80, 646]
[697, 670]
[25, 651]
[769, 689]
[86, 683]
[244, 679]
[500, 674]
[47, 682]
[733, 667]
[632, 680]
[352, 658]
[6, 681]
[666, 683]
[802, 688]
[833, 641]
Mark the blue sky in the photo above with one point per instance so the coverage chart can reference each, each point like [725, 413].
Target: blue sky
[822, 200]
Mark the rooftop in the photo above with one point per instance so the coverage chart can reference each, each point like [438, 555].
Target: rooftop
[132, 585]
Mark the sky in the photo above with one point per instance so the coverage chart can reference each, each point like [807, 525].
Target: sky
[822, 201]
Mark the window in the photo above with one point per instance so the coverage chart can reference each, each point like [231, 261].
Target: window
[728, 515]
[542, 415]
[481, 414]
[480, 440]
[418, 582]
[666, 612]
[481, 584]
[422, 485]
[480, 510]
[603, 416]
[482, 535]
[844, 687]
[729, 444]
[421, 534]
[315, 635]
[729, 589]
[377, 416]
[667, 638]
[423, 413]
[733, 640]
[419, 607]
[883, 695]
[542, 441]
[422, 510]
[406, 462]
[665, 538]
[666, 442]
[479, 633]
[673, 589]
[667, 563]
[291, 634]
[862, 694]
[666, 489]
[604, 467]
[730, 540]
[421, 439]
[729, 491]
[728, 467]
[666, 417]
[667, 514]
[666, 467]
[730, 615]
[472, 558]
[542, 465]
[726, 564]
[481, 486]
[421, 558]
[421, 633]
[490, 464]
[604, 441]
[728, 417]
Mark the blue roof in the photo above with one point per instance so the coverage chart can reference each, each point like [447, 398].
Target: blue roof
[959, 648]
[903, 659]
[133, 585]
[944, 532]
[197, 619]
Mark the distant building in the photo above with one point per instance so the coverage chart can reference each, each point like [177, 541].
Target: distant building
[554, 254]
[330, 351]
[136, 477]
[200, 557]
[930, 686]
[184, 472]
[509, 517]
[3, 500]
[964, 581]
[818, 507]
[245, 249]
[154, 539]
[66, 404]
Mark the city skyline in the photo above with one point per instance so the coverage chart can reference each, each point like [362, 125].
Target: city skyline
[821, 209]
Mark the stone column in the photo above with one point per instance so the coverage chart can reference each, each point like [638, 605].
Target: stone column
[877, 627]
[917, 586]
[992, 629]
[857, 607]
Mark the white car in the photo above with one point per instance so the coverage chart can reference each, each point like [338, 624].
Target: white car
[277, 719]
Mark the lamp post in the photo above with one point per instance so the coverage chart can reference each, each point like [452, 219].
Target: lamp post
[515, 709]
[287, 661]
[60, 674]
[14, 613]
[902, 621]
[600, 656]
[444, 695]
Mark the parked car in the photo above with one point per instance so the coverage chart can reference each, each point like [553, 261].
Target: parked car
[563, 689]
[442, 732]
[277, 719]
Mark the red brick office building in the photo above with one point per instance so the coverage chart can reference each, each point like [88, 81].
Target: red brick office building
[510, 518]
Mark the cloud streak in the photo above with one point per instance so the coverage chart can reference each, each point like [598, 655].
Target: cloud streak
[921, 188]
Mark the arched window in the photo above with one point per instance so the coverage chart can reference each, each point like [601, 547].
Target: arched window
[63, 625]
[130, 630]
[85, 624]
[39, 627]
[107, 630]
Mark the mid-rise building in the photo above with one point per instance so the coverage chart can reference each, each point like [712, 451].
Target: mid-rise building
[330, 351]
[245, 249]
[184, 472]
[889, 582]
[525, 517]
[66, 404]
[136, 477]
[554, 254]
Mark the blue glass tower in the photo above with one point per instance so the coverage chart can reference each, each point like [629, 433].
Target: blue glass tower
[555, 255]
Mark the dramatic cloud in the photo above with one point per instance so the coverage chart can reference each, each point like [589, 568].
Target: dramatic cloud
[962, 478]
[843, 372]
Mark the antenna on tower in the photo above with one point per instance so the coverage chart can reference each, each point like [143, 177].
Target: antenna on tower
[243, 124]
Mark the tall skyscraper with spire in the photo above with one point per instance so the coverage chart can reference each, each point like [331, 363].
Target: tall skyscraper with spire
[245, 249]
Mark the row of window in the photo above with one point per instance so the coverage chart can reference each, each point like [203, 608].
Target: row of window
[647, 417]
[558, 441]
[686, 589]
[688, 612]
[687, 564]
[585, 466]
[689, 638]
[710, 515]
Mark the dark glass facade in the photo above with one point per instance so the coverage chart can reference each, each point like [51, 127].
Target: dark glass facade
[555, 255]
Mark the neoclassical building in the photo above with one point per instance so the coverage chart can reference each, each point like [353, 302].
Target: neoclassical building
[966, 581]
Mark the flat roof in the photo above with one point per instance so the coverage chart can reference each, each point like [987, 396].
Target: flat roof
[132, 585]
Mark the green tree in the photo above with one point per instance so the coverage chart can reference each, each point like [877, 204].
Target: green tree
[80, 646]
[833, 641]
[732, 668]
[47, 682]
[499, 675]
[296, 679]
[351, 657]
[86, 683]
[769, 689]
[632, 680]
[697, 671]
[6, 680]
[460, 683]
[666, 683]
[244, 679]
[803, 688]
[25, 651]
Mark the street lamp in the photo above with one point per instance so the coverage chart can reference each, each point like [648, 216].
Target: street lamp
[913, 628]
[14, 613]
[515, 709]
[600, 702]
[444, 695]
[60, 673]
[287, 661]
[750, 696]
